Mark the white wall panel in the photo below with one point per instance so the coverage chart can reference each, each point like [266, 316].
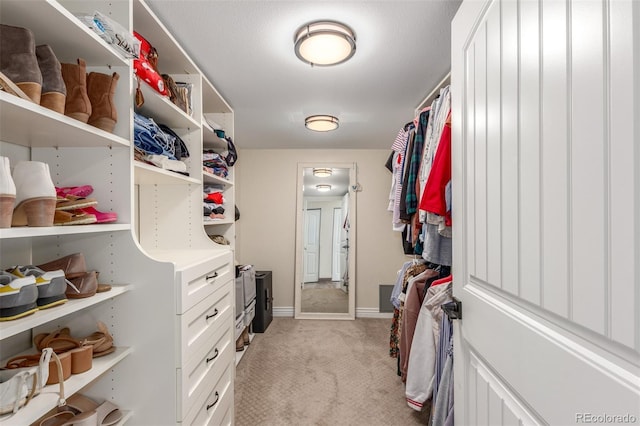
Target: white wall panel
[470, 130]
[624, 321]
[494, 142]
[510, 176]
[492, 402]
[555, 244]
[529, 151]
[480, 168]
[588, 165]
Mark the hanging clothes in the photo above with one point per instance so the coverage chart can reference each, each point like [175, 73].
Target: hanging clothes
[412, 303]
[422, 359]
[412, 269]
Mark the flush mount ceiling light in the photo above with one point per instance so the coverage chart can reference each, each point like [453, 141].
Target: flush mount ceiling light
[321, 123]
[324, 43]
[322, 172]
[323, 188]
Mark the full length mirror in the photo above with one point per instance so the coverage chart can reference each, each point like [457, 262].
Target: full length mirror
[325, 241]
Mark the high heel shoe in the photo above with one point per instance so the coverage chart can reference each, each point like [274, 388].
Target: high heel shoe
[7, 193]
[35, 195]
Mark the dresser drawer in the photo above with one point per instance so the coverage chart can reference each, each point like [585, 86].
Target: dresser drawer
[199, 280]
[210, 408]
[199, 323]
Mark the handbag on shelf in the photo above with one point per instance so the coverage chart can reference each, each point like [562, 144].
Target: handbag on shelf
[146, 66]
[176, 94]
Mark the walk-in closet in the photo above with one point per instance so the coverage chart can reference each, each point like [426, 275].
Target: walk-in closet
[319, 213]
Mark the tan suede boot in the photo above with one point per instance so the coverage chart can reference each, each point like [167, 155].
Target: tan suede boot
[18, 60]
[77, 104]
[101, 89]
[54, 91]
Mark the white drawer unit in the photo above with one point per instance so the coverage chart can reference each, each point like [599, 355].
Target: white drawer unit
[194, 378]
[213, 407]
[199, 323]
[200, 280]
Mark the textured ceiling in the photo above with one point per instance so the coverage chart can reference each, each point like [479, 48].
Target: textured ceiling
[246, 50]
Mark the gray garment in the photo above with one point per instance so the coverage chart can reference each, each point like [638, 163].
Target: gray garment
[444, 397]
[437, 249]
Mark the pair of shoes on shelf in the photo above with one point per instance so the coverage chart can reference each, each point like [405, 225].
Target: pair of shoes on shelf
[81, 283]
[18, 296]
[79, 210]
[51, 285]
[90, 96]
[28, 197]
[61, 340]
[76, 360]
[35, 73]
[81, 410]
[34, 70]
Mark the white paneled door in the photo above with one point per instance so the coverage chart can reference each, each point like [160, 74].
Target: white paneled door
[546, 186]
[311, 245]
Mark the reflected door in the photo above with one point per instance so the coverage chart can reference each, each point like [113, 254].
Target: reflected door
[311, 245]
[336, 265]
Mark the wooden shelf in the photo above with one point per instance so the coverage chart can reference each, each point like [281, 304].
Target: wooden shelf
[47, 19]
[11, 328]
[211, 141]
[211, 178]
[162, 111]
[25, 123]
[47, 231]
[146, 174]
[48, 397]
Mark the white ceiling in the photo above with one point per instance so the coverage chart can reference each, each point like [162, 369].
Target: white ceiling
[246, 50]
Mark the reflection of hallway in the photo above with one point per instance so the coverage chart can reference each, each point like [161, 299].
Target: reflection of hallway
[324, 296]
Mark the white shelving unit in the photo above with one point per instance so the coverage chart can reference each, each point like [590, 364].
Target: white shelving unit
[170, 308]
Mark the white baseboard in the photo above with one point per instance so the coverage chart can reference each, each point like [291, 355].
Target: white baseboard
[283, 311]
[288, 311]
[372, 313]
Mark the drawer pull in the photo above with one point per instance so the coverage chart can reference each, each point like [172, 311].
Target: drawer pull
[215, 312]
[215, 275]
[213, 357]
[214, 402]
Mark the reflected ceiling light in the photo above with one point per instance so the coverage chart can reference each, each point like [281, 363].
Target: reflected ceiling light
[321, 123]
[324, 43]
[323, 188]
[322, 172]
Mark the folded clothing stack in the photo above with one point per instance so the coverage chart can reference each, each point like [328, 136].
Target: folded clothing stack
[213, 202]
[214, 163]
[159, 145]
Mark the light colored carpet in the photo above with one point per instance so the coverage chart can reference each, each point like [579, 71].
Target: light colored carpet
[332, 300]
[321, 372]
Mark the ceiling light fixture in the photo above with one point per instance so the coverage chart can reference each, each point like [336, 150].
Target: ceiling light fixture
[321, 123]
[322, 172]
[323, 188]
[324, 43]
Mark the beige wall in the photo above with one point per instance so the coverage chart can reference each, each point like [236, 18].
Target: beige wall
[265, 233]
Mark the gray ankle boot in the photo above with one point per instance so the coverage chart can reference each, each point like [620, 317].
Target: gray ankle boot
[54, 91]
[18, 60]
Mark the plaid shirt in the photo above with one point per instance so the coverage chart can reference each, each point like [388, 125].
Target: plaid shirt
[414, 164]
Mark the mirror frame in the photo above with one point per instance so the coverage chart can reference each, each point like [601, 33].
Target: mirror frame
[298, 275]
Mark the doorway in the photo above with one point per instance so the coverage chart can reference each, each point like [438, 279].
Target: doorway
[324, 280]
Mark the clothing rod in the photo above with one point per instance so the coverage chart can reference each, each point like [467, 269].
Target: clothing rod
[431, 96]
